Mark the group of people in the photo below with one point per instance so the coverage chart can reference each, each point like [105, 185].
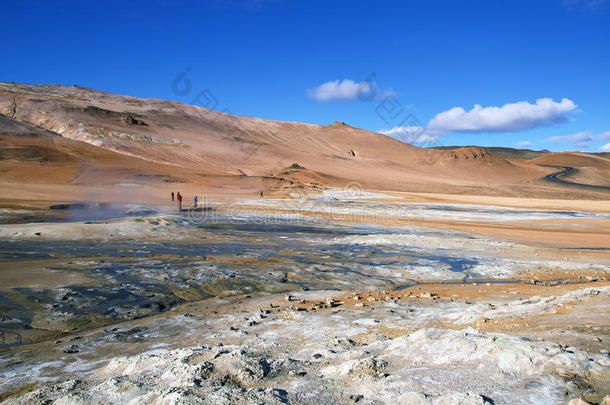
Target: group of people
[178, 197]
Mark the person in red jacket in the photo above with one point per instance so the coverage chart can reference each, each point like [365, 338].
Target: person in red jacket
[179, 201]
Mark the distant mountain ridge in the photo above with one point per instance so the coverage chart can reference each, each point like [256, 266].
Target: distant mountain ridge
[507, 153]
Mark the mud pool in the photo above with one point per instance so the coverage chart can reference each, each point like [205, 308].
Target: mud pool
[131, 279]
[106, 281]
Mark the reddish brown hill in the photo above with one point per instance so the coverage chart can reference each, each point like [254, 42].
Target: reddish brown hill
[574, 159]
[34, 155]
[195, 145]
[593, 169]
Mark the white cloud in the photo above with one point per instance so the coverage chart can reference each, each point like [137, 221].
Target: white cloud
[510, 117]
[580, 139]
[348, 90]
[412, 134]
[345, 90]
[604, 148]
[524, 144]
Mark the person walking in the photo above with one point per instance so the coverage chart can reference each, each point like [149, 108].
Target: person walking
[195, 201]
[172, 196]
[179, 201]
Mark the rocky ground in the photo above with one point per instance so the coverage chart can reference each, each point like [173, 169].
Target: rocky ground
[381, 347]
[286, 308]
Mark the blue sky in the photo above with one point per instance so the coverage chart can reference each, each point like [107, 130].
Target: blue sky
[539, 70]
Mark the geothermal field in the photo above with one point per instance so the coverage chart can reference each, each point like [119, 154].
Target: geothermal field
[319, 265]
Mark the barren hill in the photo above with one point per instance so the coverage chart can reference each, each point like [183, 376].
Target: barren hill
[507, 153]
[140, 140]
[593, 169]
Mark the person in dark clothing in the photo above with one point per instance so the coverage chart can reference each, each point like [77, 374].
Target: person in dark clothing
[172, 196]
[195, 201]
[261, 194]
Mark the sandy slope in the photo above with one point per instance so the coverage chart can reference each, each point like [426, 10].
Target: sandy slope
[193, 145]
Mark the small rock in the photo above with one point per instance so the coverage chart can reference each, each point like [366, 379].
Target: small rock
[71, 349]
[356, 397]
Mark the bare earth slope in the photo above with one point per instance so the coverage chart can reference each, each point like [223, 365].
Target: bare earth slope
[215, 145]
[593, 169]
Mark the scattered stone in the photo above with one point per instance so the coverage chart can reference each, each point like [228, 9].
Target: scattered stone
[71, 349]
[356, 397]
